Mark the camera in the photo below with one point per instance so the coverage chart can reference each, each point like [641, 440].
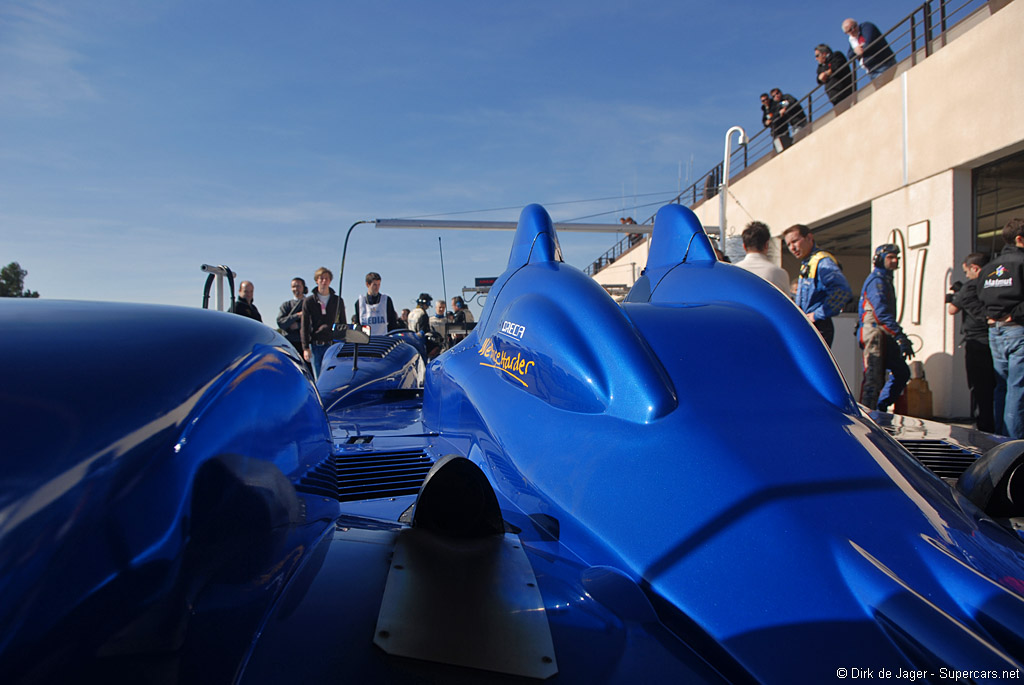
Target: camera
[954, 288]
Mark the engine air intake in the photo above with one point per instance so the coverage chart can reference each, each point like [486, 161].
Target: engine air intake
[367, 475]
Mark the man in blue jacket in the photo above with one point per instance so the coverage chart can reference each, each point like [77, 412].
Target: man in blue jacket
[882, 338]
[822, 290]
[868, 47]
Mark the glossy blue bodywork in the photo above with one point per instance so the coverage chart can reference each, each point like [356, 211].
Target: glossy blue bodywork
[390, 362]
[698, 496]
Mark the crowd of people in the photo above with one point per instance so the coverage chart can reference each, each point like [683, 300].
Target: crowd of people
[990, 302]
[1000, 288]
[307, 320]
[782, 113]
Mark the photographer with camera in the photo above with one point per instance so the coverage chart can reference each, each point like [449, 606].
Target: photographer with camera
[981, 378]
[771, 119]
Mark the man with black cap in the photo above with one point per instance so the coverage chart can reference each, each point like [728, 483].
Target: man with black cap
[419, 323]
[880, 335]
[419, 320]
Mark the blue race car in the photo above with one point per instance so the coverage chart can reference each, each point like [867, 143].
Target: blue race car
[679, 488]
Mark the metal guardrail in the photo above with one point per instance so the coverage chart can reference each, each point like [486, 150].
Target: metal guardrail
[616, 251]
[914, 38]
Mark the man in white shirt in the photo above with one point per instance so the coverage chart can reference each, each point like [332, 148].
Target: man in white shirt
[374, 309]
[755, 243]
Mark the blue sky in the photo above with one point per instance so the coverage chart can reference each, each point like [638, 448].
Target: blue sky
[142, 139]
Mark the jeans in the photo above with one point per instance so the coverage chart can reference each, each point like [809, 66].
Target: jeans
[1007, 345]
[877, 71]
[317, 352]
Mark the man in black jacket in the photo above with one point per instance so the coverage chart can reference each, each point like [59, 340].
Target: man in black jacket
[243, 305]
[771, 119]
[981, 379]
[320, 311]
[834, 72]
[289, 316]
[1002, 293]
[790, 112]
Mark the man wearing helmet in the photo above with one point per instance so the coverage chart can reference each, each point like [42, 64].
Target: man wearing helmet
[880, 334]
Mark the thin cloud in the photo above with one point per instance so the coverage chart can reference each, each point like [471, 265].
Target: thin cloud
[298, 213]
[39, 66]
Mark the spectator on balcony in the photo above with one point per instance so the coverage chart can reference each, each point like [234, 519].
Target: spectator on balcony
[634, 238]
[789, 110]
[770, 119]
[869, 47]
[710, 186]
[834, 72]
[756, 237]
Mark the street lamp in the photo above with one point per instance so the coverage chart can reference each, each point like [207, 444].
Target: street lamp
[341, 272]
[723, 189]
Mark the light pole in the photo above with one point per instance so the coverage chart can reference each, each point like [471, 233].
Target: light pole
[723, 189]
[341, 271]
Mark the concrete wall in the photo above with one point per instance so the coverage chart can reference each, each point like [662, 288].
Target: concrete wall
[906, 150]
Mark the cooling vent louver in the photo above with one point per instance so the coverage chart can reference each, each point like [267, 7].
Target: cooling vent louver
[377, 348]
[944, 459]
[367, 475]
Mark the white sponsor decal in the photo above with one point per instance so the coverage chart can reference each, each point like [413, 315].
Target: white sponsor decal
[513, 330]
